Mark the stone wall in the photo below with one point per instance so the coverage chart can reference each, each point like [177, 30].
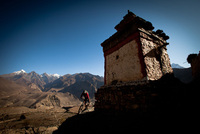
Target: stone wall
[153, 68]
[156, 59]
[140, 96]
[165, 62]
[123, 64]
[127, 97]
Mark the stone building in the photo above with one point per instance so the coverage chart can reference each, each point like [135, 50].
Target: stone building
[134, 54]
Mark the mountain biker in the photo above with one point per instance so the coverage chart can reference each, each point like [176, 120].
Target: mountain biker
[85, 96]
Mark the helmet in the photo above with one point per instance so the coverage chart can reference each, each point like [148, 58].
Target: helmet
[84, 91]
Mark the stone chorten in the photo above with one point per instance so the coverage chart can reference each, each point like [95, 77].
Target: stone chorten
[135, 52]
[134, 55]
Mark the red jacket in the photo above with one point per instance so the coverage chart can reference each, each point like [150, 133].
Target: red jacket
[86, 95]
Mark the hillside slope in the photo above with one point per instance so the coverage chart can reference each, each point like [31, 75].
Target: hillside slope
[13, 94]
[76, 83]
[32, 79]
[183, 74]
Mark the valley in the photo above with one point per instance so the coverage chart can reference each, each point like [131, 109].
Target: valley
[34, 103]
[34, 90]
[26, 120]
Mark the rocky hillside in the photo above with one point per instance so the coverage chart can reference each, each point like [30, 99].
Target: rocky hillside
[32, 79]
[73, 84]
[13, 94]
[183, 74]
[45, 91]
[76, 83]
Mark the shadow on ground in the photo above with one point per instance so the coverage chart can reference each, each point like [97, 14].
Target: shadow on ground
[176, 113]
[95, 122]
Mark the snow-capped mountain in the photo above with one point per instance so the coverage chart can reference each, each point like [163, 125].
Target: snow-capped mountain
[42, 75]
[32, 79]
[19, 72]
[176, 66]
[73, 84]
[56, 75]
[51, 75]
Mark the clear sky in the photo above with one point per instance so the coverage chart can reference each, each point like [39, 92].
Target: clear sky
[64, 36]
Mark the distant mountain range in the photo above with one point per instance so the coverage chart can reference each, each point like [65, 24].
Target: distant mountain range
[73, 84]
[174, 65]
[32, 79]
[76, 83]
[35, 90]
[183, 74]
[13, 94]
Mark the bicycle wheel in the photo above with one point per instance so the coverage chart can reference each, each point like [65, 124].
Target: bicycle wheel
[80, 109]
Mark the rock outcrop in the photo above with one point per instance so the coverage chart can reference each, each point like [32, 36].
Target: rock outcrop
[194, 60]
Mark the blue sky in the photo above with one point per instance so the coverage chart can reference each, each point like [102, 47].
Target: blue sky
[64, 37]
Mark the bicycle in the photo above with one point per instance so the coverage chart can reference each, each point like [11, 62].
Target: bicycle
[83, 107]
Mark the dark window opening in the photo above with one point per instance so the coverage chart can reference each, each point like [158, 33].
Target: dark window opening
[117, 57]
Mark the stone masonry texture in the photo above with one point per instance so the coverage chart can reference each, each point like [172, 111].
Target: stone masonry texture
[134, 56]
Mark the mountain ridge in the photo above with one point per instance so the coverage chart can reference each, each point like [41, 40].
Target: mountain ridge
[32, 79]
[182, 73]
[71, 83]
[174, 65]
[13, 94]
[75, 84]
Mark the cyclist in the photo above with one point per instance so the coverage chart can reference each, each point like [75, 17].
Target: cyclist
[86, 98]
